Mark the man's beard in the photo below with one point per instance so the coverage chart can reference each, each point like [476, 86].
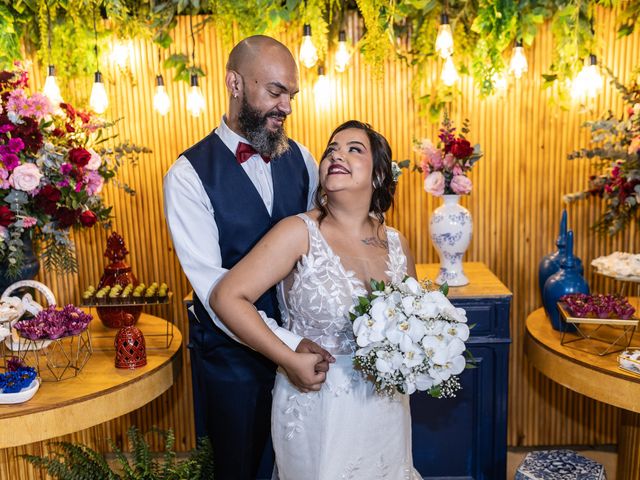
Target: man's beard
[254, 126]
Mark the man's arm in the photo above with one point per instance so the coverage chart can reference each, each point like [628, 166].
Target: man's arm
[191, 221]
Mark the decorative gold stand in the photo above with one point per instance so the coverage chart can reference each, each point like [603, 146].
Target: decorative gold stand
[615, 333]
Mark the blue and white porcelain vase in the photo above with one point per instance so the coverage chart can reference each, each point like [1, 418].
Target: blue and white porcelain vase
[565, 281]
[550, 263]
[450, 228]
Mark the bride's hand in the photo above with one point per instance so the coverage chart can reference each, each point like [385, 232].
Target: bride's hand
[301, 370]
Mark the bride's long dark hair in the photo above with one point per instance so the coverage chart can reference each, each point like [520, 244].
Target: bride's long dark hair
[384, 185]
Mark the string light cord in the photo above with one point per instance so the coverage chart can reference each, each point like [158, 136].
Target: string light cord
[95, 34]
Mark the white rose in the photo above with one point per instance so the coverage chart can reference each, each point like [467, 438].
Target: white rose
[25, 177]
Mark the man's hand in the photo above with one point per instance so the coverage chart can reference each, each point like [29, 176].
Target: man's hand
[302, 373]
[308, 346]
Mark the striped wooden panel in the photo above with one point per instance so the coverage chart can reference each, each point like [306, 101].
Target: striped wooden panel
[516, 203]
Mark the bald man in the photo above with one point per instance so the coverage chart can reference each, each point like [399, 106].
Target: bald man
[220, 197]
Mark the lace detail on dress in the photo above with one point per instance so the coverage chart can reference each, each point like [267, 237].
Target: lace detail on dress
[397, 262]
[298, 405]
[323, 291]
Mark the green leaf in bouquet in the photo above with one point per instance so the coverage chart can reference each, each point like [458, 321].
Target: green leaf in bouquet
[444, 288]
[363, 301]
[377, 286]
[435, 392]
[471, 360]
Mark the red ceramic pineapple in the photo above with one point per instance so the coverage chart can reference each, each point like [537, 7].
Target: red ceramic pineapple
[117, 273]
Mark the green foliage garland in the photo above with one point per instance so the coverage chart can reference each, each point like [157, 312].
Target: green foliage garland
[484, 30]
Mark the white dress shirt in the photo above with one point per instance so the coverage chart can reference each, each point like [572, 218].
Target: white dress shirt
[193, 228]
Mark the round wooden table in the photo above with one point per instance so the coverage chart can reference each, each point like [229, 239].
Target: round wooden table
[594, 376]
[100, 392]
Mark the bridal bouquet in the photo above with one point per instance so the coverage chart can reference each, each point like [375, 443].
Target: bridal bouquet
[410, 338]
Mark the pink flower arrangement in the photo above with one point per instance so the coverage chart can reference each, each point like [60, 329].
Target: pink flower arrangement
[53, 165]
[445, 167]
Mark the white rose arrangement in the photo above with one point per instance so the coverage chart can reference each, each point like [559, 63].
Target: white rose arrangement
[410, 338]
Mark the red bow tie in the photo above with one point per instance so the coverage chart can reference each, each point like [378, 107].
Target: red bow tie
[246, 151]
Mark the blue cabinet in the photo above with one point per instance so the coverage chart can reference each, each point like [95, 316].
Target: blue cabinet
[465, 437]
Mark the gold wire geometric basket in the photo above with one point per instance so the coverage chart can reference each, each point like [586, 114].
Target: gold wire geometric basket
[53, 359]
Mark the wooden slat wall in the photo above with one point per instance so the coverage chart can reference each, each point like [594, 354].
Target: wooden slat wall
[516, 204]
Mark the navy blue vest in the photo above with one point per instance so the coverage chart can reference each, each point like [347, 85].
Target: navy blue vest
[241, 216]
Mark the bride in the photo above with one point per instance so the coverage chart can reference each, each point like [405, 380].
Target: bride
[333, 425]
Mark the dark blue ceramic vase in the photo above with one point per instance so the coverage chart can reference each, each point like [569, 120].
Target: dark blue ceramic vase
[30, 266]
[564, 281]
[550, 263]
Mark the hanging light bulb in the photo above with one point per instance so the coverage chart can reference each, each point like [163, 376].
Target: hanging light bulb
[308, 53]
[161, 102]
[588, 83]
[98, 100]
[51, 89]
[444, 40]
[342, 53]
[195, 99]
[121, 52]
[518, 64]
[449, 74]
[322, 89]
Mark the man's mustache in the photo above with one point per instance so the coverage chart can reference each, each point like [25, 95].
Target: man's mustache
[278, 115]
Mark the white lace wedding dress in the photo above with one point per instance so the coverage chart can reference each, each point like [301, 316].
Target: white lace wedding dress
[346, 430]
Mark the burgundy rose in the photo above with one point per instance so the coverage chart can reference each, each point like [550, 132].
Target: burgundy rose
[47, 199]
[88, 218]
[461, 148]
[66, 217]
[50, 193]
[5, 76]
[30, 135]
[79, 156]
[6, 216]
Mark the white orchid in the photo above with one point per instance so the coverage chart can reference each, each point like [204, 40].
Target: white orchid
[413, 356]
[434, 326]
[388, 361]
[405, 332]
[456, 330]
[411, 286]
[456, 314]
[367, 330]
[436, 349]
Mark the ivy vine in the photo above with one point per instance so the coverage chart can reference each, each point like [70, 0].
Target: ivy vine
[61, 31]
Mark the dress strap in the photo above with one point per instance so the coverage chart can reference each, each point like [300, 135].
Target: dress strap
[315, 237]
[397, 259]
